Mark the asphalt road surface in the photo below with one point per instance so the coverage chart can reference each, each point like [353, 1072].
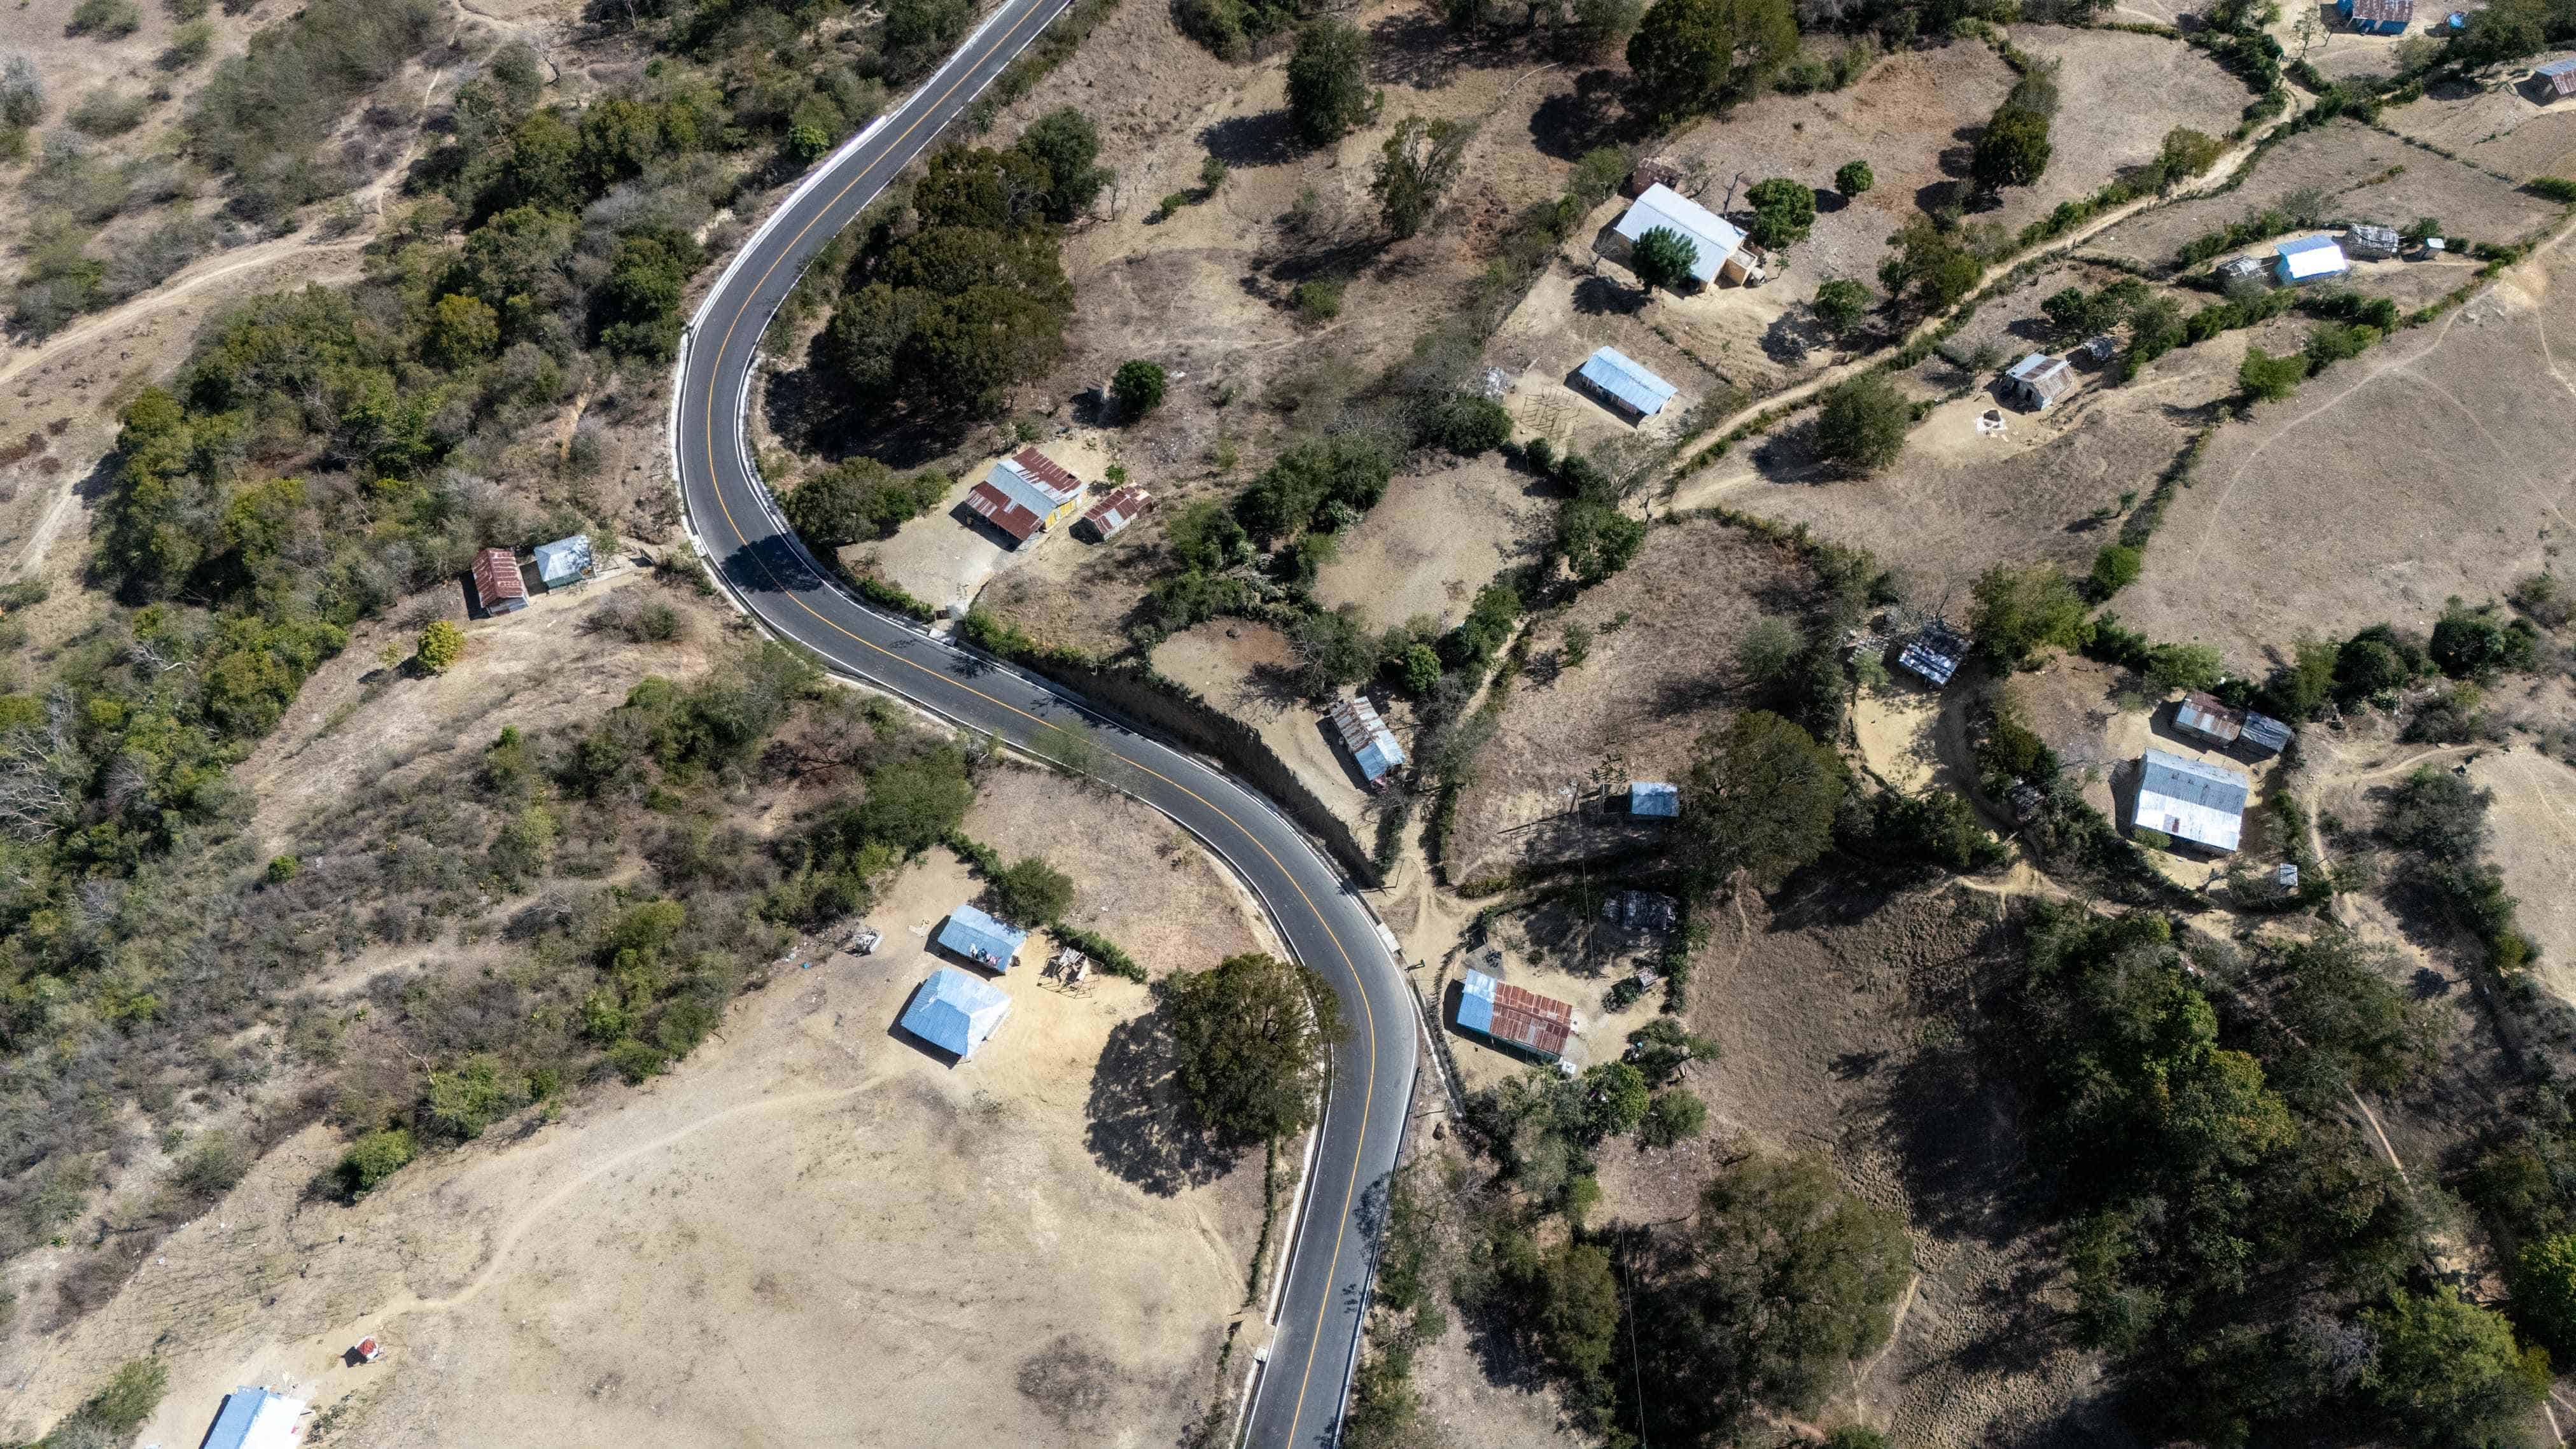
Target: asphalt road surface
[735, 523]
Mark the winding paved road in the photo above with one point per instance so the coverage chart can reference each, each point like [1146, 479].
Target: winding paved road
[735, 524]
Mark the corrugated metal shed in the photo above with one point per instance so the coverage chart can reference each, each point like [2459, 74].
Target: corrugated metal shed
[2191, 800]
[998, 509]
[1510, 1016]
[1655, 799]
[255, 1418]
[979, 938]
[1660, 206]
[1642, 911]
[2362, 239]
[1622, 379]
[2559, 76]
[1371, 744]
[1115, 512]
[2312, 257]
[1935, 653]
[564, 561]
[2040, 379]
[2393, 13]
[2263, 730]
[2204, 716]
[955, 1011]
[497, 582]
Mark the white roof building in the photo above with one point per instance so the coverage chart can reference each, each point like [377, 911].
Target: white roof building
[2191, 800]
[1661, 206]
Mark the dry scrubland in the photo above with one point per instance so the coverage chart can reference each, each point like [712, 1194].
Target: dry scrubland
[2496, 126]
[2433, 465]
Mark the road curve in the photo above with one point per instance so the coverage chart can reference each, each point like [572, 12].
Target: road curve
[734, 522]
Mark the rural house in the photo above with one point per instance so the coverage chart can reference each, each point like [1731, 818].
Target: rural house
[1025, 495]
[1719, 247]
[2266, 733]
[2558, 78]
[955, 1011]
[1371, 744]
[1517, 1020]
[2038, 381]
[1654, 799]
[979, 938]
[1934, 653]
[497, 585]
[2377, 17]
[2309, 258]
[1626, 386]
[2191, 800]
[2370, 243]
[2203, 715]
[563, 562]
[1112, 514]
[256, 1418]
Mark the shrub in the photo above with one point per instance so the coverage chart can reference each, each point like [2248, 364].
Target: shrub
[2013, 150]
[1138, 388]
[1839, 306]
[2266, 378]
[22, 92]
[1318, 300]
[1862, 422]
[105, 113]
[1854, 178]
[1467, 424]
[2555, 188]
[1783, 210]
[2018, 612]
[1030, 892]
[2116, 567]
[282, 869]
[104, 19]
[373, 1158]
[441, 644]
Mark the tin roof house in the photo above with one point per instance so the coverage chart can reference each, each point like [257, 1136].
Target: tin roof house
[2203, 715]
[2558, 78]
[1654, 799]
[2266, 733]
[1934, 653]
[1625, 384]
[256, 1418]
[564, 562]
[2038, 381]
[2370, 243]
[497, 584]
[2309, 258]
[979, 938]
[955, 1011]
[1718, 246]
[1025, 494]
[1110, 516]
[1371, 744]
[2377, 17]
[1517, 1020]
[2191, 800]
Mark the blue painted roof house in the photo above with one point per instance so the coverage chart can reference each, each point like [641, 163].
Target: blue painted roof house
[1655, 799]
[1623, 381]
[954, 1011]
[979, 938]
[2311, 257]
[564, 561]
[255, 1418]
[2377, 17]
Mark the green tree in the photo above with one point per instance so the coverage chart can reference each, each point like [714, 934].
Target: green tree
[1618, 1099]
[1703, 55]
[1783, 210]
[1066, 145]
[441, 644]
[1663, 1046]
[1675, 1116]
[373, 1158]
[1328, 90]
[2012, 151]
[1854, 178]
[1415, 169]
[967, 352]
[2544, 1291]
[1597, 538]
[856, 501]
[1862, 422]
[2266, 378]
[1760, 798]
[1137, 388]
[462, 330]
[22, 91]
[913, 805]
[2115, 567]
[1931, 270]
[1251, 1035]
[1663, 258]
[2187, 153]
[1030, 892]
[2018, 612]
[2448, 1371]
[1421, 670]
[1769, 650]
[1840, 305]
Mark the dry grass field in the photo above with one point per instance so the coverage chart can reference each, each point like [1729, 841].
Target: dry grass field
[2120, 94]
[1242, 669]
[2427, 467]
[1652, 683]
[2499, 126]
[1436, 538]
[1010, 1248]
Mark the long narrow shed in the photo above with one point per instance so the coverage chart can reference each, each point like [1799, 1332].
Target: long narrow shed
[497, 582]
[1372, 745]
[1714, 240]
[2311, 257]
[1625, 383]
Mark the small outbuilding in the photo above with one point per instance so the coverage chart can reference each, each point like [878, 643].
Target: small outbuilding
[256, 1418]
[979, 938]
[564, 562]
[2235, 267]
[2038, 381]
[1517, 1020]
[1625, 384]
[1648, 175]
[955, 1011]
[2378, 17]
[2191, 800]
[2266, 733]
[1934, 653]
[2558, 78]
[1025, 494]
[1714, 240]
[1647, 912]
[497, 585]
[1654, 799]
[2203, 715]
[1371, 744]
[1111, 515]
[2369, 242]
[2309, 258]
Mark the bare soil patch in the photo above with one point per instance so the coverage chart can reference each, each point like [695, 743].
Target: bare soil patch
[1435, 539]
[2422, 469]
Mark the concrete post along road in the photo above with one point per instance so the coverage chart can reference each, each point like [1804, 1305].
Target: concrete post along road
[735, 524]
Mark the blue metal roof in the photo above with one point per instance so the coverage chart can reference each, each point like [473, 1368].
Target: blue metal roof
[1476, 1003]
[955, 1011]
[1654, 797]
[2556, 67]
[1620, 375]
[564, 559]
[2305, 244]
[980, 939]
[241, 1417]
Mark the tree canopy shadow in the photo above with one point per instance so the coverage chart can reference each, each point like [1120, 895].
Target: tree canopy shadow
[1267, 138]
[1592, 115]
[1138, 1128]
[1598, 296]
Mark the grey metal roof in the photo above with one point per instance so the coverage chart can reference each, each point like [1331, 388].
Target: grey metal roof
[2266, 731]
[1935, 652]
[1654, 797]
[1371, 743]
[2191, 800]
[1715, 238]
[1624, 378]
[565, 558]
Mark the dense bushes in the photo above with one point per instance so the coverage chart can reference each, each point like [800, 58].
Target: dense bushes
[858, 501]
[261, 113]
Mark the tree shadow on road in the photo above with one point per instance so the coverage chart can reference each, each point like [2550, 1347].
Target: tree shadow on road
[1139, 1129]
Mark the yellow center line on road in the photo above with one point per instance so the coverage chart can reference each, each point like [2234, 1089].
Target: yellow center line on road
[1368, 1078]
